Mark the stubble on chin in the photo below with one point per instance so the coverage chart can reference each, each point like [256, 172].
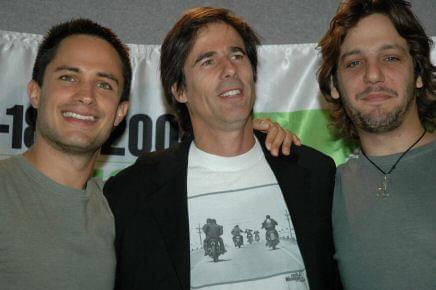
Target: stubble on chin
[379, 120]
[68, 144]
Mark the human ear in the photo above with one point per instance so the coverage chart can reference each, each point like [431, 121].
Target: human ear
[419, 83]
[122, 109]
[34, 92]
[180, 95]
[334, 92]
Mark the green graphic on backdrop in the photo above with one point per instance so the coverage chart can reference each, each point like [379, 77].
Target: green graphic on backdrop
[309, 125]
[101, 173]
[312, 128]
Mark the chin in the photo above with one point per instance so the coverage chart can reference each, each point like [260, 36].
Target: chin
[80, 146]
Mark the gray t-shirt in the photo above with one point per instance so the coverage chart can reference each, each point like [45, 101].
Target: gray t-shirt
[387, 243]
[52, 236]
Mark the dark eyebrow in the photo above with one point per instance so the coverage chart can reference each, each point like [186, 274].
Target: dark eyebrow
[352, 52]
[383, 48]
[108, 76]
[238, 49]
[68, 68]
[77, 70]
[203, 56]
[212, 53]
[393, 46]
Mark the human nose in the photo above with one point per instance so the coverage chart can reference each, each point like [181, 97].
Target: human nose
[373, 72]
[86, 94]
[229, 69]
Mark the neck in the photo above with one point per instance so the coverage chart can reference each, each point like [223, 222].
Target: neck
[72, 170]
[395, 141]
[225, 143]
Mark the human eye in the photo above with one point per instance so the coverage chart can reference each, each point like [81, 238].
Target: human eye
[238, 55]
[207, 62]
[67, 78]
[392, 58]
[104, 85]
[352, 64]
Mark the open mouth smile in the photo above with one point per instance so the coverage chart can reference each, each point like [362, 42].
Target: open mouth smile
[79, 116]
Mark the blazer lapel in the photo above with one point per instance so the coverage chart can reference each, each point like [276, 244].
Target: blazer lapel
[294, 183]
[170, 208]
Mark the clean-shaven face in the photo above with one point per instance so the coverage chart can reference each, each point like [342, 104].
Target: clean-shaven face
[219, 90]
[78, 103]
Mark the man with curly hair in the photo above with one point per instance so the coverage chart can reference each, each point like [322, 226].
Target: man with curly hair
[377, 74]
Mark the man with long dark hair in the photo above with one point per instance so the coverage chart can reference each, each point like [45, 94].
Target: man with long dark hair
[377, 74]
[221, 169]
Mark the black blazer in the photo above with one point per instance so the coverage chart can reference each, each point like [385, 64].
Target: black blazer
[149, 202]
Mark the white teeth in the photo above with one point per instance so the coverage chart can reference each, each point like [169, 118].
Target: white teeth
[77, 116]
[231, 93]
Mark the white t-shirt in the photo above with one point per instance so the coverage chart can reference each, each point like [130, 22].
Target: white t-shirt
[240, 190]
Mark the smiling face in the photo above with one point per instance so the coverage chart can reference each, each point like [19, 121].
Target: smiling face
[376, 79]
[79, 101]
[219, 91]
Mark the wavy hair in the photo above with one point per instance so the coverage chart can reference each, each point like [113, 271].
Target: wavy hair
[405, 22]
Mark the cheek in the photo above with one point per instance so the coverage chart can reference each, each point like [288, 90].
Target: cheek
[56, 96]
[109, 108]
[199, 87]
[47, 104]
[247, 74]
[351, 83]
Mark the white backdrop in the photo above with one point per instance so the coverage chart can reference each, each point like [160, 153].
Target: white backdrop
[286, 91]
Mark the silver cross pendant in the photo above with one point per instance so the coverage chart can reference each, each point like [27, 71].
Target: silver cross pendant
[382, 190]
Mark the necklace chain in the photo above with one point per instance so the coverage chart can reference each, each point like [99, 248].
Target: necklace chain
[382, 190]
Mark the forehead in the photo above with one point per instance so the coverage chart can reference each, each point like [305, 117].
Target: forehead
[88, 49]
[215, 36]
[372, 33]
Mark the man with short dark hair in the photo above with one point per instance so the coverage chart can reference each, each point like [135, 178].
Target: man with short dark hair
[377, 73]
[221, 169]
[56, 228]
